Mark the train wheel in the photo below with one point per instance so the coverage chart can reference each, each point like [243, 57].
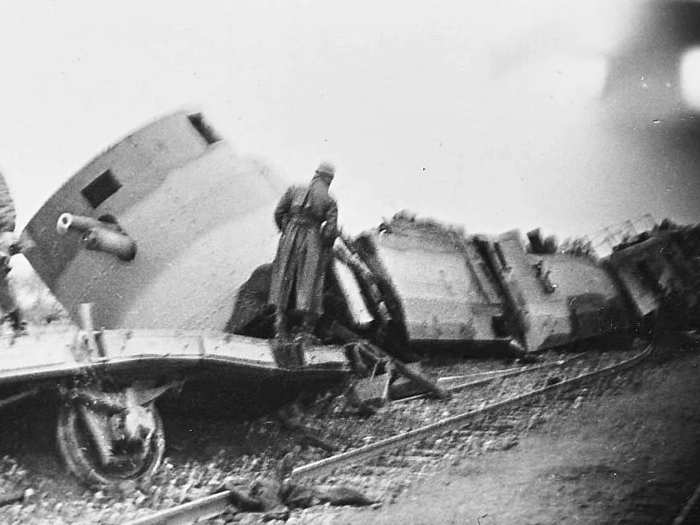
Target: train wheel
[136, 460]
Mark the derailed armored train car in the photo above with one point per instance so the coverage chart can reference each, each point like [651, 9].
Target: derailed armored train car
[448, 289]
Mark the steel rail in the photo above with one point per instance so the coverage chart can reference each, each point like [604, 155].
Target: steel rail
[192, 512]
[211, 506]
[496, 375]
[19, 397]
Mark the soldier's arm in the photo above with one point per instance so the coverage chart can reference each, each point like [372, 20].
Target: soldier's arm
[330, 228]
[282, 209]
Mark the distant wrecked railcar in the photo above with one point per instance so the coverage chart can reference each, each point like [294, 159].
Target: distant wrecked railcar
[168, 235]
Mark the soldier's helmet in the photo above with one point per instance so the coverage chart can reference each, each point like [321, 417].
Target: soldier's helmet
[327, 169]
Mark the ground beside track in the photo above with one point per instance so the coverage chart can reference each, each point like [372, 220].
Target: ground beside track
[625, 454]
[631, 456]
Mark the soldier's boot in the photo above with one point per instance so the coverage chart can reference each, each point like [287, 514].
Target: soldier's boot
[281, 328]
[280, 346]
[19, 326]
[307, 338]
[299, 355]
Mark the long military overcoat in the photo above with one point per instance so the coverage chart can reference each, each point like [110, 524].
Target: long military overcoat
[7, 208]
[307, 216]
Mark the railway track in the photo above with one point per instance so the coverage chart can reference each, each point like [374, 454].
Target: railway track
[404, 416]
[690, 513]
[481, 402]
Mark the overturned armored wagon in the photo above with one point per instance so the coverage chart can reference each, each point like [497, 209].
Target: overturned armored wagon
[444, 288]
[156, 234]
[449, 289]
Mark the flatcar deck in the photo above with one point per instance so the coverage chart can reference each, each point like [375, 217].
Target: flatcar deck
[55, 354]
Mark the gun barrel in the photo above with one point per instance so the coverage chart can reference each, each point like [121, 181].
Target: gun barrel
[98, 236]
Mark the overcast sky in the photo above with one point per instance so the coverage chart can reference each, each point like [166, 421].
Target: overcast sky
[485, 114]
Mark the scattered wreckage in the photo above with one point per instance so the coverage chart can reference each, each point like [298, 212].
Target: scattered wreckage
[160, 250]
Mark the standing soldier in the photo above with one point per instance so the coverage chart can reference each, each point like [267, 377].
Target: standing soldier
[307, 217]
[8, 247]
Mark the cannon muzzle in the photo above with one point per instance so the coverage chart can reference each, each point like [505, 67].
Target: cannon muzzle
[98, 235]
[78, 223]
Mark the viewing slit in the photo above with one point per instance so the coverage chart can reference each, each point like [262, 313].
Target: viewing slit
[100, 189]
[203, 128]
